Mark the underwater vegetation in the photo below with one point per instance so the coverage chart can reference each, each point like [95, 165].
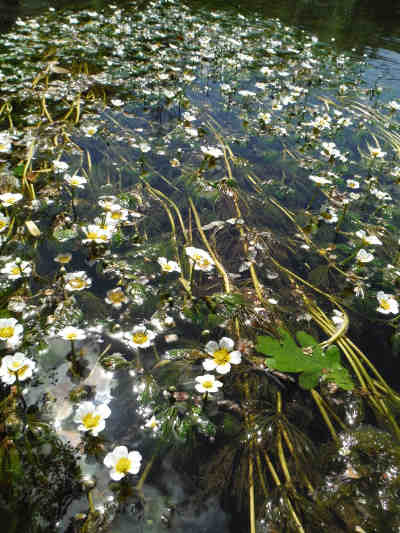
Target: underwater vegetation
[199, 277]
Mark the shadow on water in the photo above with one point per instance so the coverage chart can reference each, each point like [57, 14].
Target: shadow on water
[353, 23]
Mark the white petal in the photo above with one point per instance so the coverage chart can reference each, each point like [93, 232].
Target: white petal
[109, 460]
[116, 476]
[120, 451]
[209, 364]
[103, 410]
[134, 469]
[235, 357]
[223, 369]
[135, 456]
[226, 343]
[211, 347]
[199, 387]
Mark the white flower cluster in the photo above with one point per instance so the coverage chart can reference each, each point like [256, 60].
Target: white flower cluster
[222, 357]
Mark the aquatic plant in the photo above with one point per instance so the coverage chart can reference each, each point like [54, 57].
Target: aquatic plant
[178, 206]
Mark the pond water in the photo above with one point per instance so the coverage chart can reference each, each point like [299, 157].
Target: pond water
[199, 269]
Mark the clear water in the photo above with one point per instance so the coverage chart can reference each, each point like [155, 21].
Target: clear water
[163, 89]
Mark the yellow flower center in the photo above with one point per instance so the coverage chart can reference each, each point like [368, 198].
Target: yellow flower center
[201, 261]
[16, 364]
[326, 215]
[77, 283]
[123, 465]
[63, 258]
[91, 421]
[116, 215]
[92, 235]
[139, 338]
[385, 305]
[117, 297]
[207, 384]
[7, 332]
[15, 271]
[22, 370]
[71, 336]
[2, 223]
[221, 356]
[167, 267]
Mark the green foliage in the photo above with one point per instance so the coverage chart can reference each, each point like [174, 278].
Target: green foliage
[308, 359]
[202, 314]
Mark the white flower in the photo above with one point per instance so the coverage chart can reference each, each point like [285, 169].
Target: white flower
[10, 330]
[387, 303]
[77, 281]
[116, 102]
[9, 198]
[4, 222]
[328, 214]
[394, 106]
[202, 259]
[97, 234]
[116, 297]
[246, 93]
[91, 418]
[353, 184]
[266, 71]
[376, 152]
[70, 333]
[152, 423]
[5, 142]
[320, 180]
[368, 239]
[168, 266]
[17, 269]
[89, 131]
[320, 122]
[264, 117]
[108, 202]
[222, 356]
[122, 462]
[76, 181]
[63, 259]
[207, 383]
[16, 366]
[144, 147]
[363, 256]
[381, 195]
[60, 166]
[116, 214]
[141, 337]
[212, 151]
[337, 318]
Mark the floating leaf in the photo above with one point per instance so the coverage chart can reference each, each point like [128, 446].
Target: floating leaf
[308, 359]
